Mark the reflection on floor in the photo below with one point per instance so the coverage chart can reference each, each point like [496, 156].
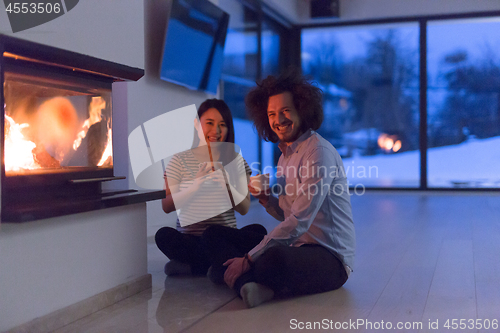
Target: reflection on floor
[421, 259]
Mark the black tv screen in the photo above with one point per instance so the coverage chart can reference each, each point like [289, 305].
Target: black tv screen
[194, 45]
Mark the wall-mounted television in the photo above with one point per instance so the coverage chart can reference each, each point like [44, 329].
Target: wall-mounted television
[194, 45]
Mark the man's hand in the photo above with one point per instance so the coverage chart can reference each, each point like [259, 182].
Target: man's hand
[235, 268]
[263, 196]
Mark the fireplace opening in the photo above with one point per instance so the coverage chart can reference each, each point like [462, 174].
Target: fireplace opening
[57, 129]
[52, 126]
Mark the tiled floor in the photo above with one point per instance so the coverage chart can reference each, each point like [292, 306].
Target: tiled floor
[421, 259]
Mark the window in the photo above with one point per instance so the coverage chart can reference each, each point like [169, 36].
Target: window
[239, 74]
[370, 81]
[411, 102]
[463, 94]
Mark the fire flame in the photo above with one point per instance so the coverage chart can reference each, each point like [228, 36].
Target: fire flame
[108, 152]
[96, 106]
[20, 152]
[18, 155]
[389, 143]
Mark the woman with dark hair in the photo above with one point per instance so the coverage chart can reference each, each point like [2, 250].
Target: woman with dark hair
[193, 187]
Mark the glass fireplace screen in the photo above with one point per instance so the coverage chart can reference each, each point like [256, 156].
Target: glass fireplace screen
[55, 125]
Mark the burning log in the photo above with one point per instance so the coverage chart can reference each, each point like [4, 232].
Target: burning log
[44, 159]
[92, 146]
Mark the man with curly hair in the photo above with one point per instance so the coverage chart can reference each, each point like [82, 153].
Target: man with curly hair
[312, 249]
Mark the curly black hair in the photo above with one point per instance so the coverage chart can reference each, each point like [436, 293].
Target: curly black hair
[307, 99]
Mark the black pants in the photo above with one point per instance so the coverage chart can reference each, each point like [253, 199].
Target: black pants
[189, 249]
[307, 269]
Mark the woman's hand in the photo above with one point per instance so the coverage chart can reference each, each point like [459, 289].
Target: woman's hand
[205, 172]
[175, 198]
[235, 268]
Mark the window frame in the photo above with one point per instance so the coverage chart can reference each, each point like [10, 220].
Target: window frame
[422, 21]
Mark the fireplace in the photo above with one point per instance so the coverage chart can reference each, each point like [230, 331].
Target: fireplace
[57, 133]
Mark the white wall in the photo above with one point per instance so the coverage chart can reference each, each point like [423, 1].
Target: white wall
[112, 30]
[49, 264]
[367, 9]
[293, 10]
[298, 10]
[53, 263]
